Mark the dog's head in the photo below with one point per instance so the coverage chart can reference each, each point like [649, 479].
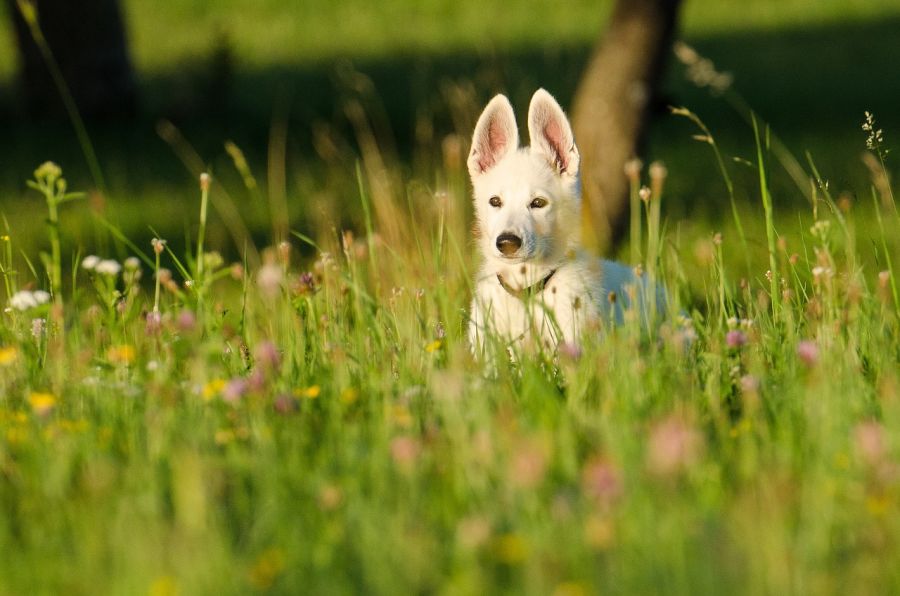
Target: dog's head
[526, 200]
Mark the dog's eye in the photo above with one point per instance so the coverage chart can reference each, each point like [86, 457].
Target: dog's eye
[538, 203]
[495, 202]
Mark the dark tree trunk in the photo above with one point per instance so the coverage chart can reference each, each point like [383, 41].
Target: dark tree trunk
[87, 39]
[612, 105]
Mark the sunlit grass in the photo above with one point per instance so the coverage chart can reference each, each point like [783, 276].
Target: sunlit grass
[318, 423]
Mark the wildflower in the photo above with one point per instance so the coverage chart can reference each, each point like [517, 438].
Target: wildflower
[808, 352]
[269, 279]
[8, 355]
[735, 339]
[869, 440]
[404, 451]
[311, 392]
[284, 403]
[306, 284]
[267, 356]
[121, 354]
[212, 389]
[268, 566]
[41, 403]
[153, 322]
[601, 481]
[876, 136]
[433, 346]
[528, 465]
[38, 326]
[234, 390]
[511, 548]
[24, 300]
[673, 446]
[205, 181]
[883, 278]
[108, 267]
[158, 245]
[186, 321]
[749, 384]
[90, 262]
[132, 264]
[644, 193]
[472, 532]
[633, 169]
[570, 350]
[330, 497]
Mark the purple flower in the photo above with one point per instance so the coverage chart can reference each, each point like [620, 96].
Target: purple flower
[570, 350]
[187, 321]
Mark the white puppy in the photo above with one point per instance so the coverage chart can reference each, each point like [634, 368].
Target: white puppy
[535, 282]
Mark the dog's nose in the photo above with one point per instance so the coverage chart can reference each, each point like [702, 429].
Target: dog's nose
[508, 244]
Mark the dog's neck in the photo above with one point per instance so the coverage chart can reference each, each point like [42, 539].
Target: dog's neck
[519, 277]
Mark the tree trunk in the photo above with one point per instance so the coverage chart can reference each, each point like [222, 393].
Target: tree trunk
[87, 39]
[612, 105]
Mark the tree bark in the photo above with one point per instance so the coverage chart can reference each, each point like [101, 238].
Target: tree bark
[612, 105]
[88, 41]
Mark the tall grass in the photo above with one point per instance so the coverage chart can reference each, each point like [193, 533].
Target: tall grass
[320, 425]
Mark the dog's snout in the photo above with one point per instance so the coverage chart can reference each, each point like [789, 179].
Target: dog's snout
[508, 243]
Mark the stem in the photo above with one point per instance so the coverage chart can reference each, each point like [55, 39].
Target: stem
[635, 202]
[770, 220]
[55, 253]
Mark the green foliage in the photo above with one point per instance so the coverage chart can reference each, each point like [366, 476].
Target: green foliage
[320, 424]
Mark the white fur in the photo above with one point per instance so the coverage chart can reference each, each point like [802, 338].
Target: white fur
[578, 292]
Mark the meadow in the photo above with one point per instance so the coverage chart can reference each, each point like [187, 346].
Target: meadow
[259, 381]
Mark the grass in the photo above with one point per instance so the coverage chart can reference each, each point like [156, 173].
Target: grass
[237, 411]
[318, 423]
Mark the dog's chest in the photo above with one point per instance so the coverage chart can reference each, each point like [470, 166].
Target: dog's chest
[556, 313]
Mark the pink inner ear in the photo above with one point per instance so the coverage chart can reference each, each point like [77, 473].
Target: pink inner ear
[553, 133]
[496, 143]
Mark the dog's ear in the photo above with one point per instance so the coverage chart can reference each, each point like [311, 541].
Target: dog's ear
[495, 136]
[551, 134]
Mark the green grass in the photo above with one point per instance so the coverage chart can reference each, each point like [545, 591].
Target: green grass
[318, 423]
[309, 418]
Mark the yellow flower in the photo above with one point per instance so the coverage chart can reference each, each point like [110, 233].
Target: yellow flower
[267, 568]
[349, 395]
[511, 548]
[164, 585]
[433, 346]
[213, 388]
[8, 355]
[311, 392]
[123, 354]
[41, 403]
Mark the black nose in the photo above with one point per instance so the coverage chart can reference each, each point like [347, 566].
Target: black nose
[508, 243]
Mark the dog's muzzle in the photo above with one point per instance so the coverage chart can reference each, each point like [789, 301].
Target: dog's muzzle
[508, 244]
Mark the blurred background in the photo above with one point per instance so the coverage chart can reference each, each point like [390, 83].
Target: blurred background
[305, 90]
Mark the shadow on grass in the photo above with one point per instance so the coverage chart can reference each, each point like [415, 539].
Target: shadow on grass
[812, 85]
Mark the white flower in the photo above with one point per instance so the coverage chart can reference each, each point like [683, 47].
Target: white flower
[90, 262]
[132, 263]
[24, 299]
[108, 267]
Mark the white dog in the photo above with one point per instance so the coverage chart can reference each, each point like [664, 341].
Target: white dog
[535, 282]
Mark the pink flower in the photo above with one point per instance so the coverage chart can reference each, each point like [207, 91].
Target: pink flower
[285, 404]
[234, 390]
[187, 321]
[808, 352]
[528, 465]
[154, 322]
[404, 451]
[673, 446]
[601, 481]
[869, 439]
[570, 350]
[267, 356]
[735, 338]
